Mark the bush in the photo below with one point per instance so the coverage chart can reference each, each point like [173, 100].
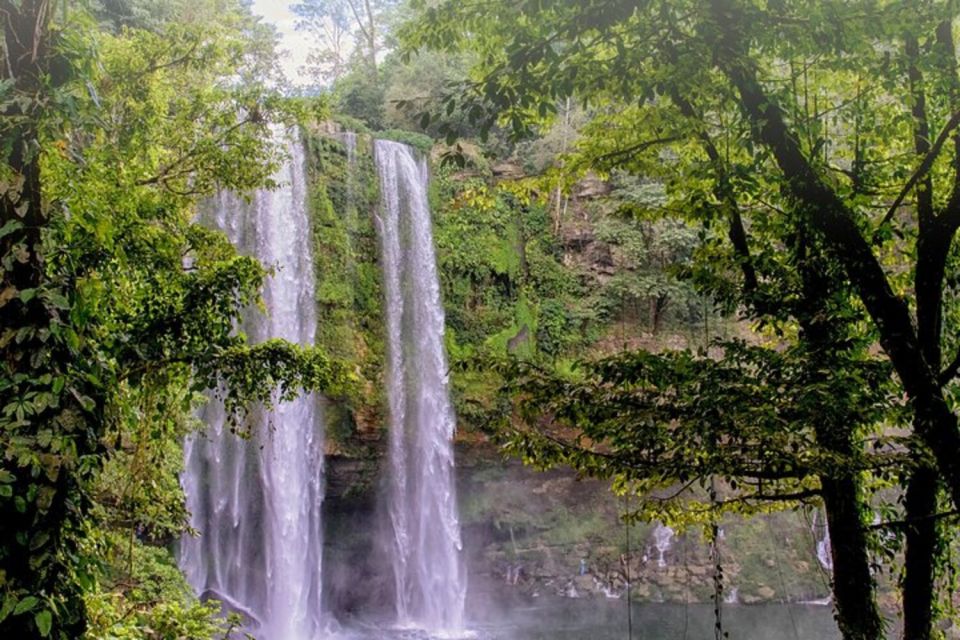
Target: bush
[146, 597]
[418, 141]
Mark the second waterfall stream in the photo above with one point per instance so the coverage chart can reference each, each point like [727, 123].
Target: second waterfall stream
[425, 549]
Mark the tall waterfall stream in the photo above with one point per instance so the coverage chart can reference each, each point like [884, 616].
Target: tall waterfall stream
[426, 549]
[257, 503]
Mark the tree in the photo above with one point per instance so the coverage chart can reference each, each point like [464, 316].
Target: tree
[107, 285]
[333, 22]
[652, 251]
[822, 131]
[330, 23]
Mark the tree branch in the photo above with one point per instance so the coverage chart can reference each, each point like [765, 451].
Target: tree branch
[923, 168]
[946, 55]
[897, 524]
[826, 212]
[724, 192]
[165, 172]
[951, 371]
[797, 496]
[613, 156]
[153, 68]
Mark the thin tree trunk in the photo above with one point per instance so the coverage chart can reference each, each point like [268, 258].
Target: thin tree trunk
[371, 35]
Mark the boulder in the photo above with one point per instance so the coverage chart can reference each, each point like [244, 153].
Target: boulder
[507, 171]
[765, 592]
[592, 187]
[585, 583]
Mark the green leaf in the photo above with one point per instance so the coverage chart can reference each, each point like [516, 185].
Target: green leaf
[44, 621]
[58, 300]
[39, 540]
[10, 227]
[8, 604]
[25, 605]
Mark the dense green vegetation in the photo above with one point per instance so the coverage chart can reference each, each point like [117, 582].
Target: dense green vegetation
[117, 308]
[701, 250]
[803, 135]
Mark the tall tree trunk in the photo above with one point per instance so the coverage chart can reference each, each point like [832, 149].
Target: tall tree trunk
[853, 587]
[25, 39]
[933, 245]
[922, 544]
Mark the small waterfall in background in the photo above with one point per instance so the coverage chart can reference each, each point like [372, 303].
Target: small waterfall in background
[350, 212]
[662, 540]
[257, 503]
[350, 143]
[732, 596]
[425, 551]
[821, 533]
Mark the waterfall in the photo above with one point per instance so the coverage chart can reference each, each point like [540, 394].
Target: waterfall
[821, 534]
[257, 503]
[732, 596]
[425, 548]
[350, 144]
[662, 539]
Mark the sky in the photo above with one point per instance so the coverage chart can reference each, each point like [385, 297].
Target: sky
[295, 44]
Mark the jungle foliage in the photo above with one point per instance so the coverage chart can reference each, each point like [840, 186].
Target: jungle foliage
[604, 172]
[117, 309]
[816, 144]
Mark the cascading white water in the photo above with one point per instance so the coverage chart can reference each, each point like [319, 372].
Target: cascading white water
[350, 211]
[821, 534]
[662, 539]
[257, 503]
[425, 548]
[732, 596]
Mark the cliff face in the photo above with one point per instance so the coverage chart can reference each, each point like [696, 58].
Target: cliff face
[547, 275]
[571, 277]
[531, 534]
